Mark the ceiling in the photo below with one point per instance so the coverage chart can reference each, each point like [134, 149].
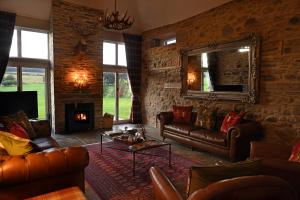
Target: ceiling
[148, 14]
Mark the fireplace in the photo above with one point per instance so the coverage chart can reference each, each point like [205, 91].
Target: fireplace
[79, 117]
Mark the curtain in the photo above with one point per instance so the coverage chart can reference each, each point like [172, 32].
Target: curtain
[133, 46]
[212, 59]
[7, 24]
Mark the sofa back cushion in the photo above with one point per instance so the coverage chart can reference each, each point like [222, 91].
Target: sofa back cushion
[206, 118]
[182, 114]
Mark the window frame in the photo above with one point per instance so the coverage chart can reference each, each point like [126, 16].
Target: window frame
[19, 62]
[116, 69]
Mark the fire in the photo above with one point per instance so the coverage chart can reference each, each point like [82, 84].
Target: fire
[80, 117]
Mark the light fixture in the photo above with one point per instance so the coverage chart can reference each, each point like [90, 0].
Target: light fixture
[244, 49]
[114, 21]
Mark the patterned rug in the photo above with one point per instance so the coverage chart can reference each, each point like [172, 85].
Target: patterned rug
[110, 174]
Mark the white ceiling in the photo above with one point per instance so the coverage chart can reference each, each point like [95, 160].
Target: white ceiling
[148, 14]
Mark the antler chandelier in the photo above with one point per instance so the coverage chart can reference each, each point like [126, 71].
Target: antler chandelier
[114, 21]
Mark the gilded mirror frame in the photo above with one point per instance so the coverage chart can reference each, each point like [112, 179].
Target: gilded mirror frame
[251, 96]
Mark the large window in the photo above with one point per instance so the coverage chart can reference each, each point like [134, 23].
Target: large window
[28, 65]
[116, 87]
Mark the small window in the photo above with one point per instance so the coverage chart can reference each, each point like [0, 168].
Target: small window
[122, 55]
[34, 44]
[170, 41]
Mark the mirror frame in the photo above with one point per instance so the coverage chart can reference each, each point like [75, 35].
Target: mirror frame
[251, 96]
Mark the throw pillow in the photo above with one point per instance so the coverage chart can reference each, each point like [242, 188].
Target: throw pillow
[18, 130]
[206, 118]
[231, 119]
[15, 145]
[21, 119]
[295, 156]
[182, 114]
[200, 177]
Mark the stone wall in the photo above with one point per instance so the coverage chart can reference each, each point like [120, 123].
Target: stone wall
[66, 65]
[277, 22]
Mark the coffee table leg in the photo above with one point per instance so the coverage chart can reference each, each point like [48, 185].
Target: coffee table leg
[170, 152]
[133, 167]
[101, 143]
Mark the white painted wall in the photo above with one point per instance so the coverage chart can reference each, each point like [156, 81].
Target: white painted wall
[148, 14]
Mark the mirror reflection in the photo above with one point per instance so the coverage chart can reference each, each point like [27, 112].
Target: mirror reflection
[224, 70]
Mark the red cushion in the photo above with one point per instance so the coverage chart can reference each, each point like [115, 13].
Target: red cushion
[230, 120]
[18, 130]
[295, 156]
[182, 114]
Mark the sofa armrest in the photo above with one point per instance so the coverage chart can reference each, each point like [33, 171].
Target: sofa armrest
[165, 118]
[239, 138]
[162, 186]
[42, 165]
[261, 149]
[249, 129]
[42, 128]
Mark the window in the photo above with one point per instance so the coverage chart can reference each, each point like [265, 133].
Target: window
[28, 66]
[205, 75]
[116, 88]
[170, 41]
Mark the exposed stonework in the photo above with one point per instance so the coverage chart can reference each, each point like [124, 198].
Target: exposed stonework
[275, 21]
[66, 64]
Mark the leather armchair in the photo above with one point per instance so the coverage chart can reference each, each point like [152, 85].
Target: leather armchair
[274, 161]
[50, 169]
[247, 187]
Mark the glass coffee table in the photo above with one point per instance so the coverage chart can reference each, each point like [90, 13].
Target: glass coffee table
[134, 147]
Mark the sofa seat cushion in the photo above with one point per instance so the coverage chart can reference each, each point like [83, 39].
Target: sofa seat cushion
[183, 129]
[209, 136]
[45, 143]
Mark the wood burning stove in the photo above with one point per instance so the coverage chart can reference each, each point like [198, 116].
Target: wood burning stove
[79, 117]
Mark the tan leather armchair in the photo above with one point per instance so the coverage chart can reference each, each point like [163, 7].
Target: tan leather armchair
[51, 169]
[248, 187]
[274, 161]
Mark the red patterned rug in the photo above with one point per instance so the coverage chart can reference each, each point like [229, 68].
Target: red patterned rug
[110, 174]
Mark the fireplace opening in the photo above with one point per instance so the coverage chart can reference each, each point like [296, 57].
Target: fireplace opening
[79, 117]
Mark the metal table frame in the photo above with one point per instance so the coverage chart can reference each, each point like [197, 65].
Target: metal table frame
[134, 152]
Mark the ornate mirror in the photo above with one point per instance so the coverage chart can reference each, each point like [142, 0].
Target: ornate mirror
[225, 71]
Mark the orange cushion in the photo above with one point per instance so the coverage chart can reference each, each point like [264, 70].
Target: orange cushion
[295, 156]
[182, 114]
[18, 130]
[231, 119]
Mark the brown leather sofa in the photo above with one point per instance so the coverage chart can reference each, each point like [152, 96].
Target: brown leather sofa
[274, 160]
[259, 187]
[51, 169]
[235, 145]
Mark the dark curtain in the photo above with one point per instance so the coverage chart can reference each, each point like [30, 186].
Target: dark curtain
[133, 45]
[212, 59]
[7, 24]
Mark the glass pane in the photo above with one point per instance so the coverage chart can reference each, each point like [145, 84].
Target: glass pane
[34, 44]
[9, 82]
[109, 53]
[122, 55]
[204, 60]
[206, 82]
[33, 79]
[124, 97]
[109, 93]
[14, 46]
[171, 41]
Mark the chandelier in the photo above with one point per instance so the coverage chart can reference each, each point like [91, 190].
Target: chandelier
[114, 21]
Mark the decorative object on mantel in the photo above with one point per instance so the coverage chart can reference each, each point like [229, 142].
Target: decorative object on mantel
[113, 21]
[84, 32]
